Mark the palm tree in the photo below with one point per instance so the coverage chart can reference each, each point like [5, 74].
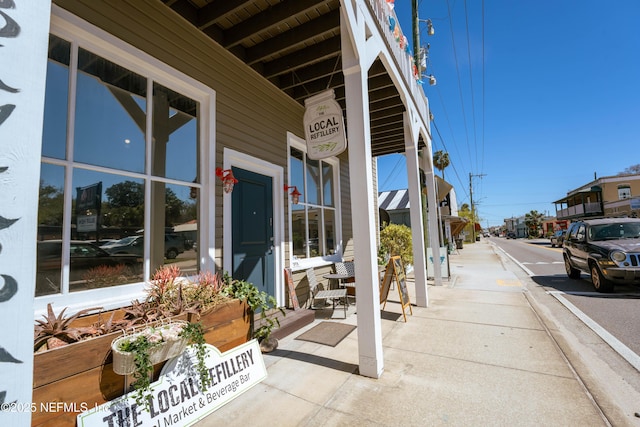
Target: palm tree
[533, 221]
[441, 161]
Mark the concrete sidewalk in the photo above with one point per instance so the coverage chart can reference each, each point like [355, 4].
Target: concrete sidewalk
[477, 356]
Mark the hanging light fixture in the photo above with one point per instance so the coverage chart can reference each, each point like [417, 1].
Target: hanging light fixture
[430, 30]
[228, 180]
[295, 194]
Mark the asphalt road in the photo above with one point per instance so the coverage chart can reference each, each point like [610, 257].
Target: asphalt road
[615, 314]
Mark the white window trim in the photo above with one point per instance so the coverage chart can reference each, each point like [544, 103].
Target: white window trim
[90, 37]
[304, 263]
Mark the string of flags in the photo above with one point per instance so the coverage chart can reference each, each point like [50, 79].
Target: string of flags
[401, 39]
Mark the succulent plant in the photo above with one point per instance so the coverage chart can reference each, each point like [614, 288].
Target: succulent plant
[56, 331]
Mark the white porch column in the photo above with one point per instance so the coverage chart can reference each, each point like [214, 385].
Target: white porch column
[415, 201]
[363, 206]
[434, 239]
[24, 39]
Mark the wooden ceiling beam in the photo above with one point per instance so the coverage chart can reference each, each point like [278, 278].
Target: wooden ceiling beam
[295, 37]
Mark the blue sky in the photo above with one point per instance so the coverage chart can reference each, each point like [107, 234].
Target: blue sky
[536, 105]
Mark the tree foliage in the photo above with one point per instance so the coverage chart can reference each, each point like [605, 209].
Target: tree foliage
[441, 161]
[533, 221]
[631, 170]
[125, 206]
[50, 206]
[395, 240]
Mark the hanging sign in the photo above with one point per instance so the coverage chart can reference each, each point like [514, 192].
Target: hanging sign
[324, 126]
[177, 398]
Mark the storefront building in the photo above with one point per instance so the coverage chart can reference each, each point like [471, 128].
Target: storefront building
[125, 120]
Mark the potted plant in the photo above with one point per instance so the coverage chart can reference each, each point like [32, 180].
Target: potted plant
[83, 370]
[259, 302]
[56, 330]
[138, 352]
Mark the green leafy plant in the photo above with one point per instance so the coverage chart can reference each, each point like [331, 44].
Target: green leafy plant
[258, 301]
[395, 240]
[141, 347]
[194, 334]
[142, 344]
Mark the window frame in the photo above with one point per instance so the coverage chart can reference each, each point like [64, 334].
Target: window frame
[323, 260]
[82, 34]
[622, 194]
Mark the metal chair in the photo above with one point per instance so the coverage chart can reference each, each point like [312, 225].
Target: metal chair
[348, 269]
[329, 294]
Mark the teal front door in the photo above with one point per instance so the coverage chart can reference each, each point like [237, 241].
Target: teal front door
[252, 229]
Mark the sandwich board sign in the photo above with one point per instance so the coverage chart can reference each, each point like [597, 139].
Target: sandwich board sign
[395, 271]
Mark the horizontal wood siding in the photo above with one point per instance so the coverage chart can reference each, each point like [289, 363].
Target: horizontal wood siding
[345, 202]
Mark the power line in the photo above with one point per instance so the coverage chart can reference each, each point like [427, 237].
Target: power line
[473, 102]
[455, 56]
[393, 171]
[451, 163]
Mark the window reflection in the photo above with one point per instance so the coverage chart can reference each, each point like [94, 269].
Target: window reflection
[298, 230]
[313, 219]
[296, 172]
[329, 231]
[313, 181]
[107, 208]
[105, 241]
[327, 181]
[54, 137]
[110, 114]
[50, 211]
[175, 135]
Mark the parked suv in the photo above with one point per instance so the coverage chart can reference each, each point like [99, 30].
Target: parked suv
[173, 246]
[608, 249]
[557, 238]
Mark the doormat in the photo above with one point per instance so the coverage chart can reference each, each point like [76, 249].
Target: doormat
[327, 333]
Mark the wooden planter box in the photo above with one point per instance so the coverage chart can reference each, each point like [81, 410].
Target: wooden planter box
[71, 379]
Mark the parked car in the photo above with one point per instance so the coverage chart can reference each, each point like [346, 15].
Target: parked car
[511, 235]
[83, 257]
[608, 249]
[557, 238]
[173, 246]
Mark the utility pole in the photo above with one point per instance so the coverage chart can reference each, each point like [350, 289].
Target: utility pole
[473, 210]
[416, 36]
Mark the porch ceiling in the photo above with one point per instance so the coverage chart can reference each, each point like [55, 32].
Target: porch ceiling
[295, 44]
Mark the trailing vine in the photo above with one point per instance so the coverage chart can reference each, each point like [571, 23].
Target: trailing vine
[142, 344]
[194, 334]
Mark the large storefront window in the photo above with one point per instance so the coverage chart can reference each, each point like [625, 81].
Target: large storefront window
[118, 192]
[313, 219]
